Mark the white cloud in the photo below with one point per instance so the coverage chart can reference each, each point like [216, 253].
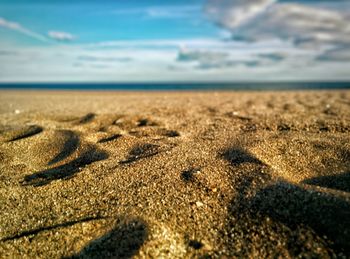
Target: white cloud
[303, 25]
[9, 24]
[55, 35]
[61, 36]
[233, 13]
[21, 29]
[324, 33]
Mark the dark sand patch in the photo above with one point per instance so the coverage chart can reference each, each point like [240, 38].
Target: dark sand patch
[146, 122]
[337, 181]
[123, 241]
[189, 175]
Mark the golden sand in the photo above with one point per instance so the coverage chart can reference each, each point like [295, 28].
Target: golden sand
[176, 175]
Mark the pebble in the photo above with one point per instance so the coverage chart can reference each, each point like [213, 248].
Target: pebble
[199, 204]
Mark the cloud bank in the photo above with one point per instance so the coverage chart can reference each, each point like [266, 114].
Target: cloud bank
[303, 25]
[341, 54]
[323, 33]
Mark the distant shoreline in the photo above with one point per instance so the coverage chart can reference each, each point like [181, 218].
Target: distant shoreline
[236, 86]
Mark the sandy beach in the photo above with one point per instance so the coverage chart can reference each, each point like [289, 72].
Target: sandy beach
[174, 174]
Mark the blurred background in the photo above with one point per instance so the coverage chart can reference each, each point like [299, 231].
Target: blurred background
[174, 41]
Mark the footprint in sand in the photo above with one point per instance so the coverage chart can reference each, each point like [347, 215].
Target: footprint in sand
[65, 150]
[142, 151]
[72, 119]
[151, 136]
[62, 149]
[67, 170]
[144, 127]
[13, 133]
[48, 147]
[109, 127]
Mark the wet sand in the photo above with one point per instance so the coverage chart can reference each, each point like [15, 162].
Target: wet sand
[207, 174]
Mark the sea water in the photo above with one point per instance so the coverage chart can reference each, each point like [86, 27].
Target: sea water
[260, 86]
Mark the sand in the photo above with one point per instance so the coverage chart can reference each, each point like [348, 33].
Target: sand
[174, 175]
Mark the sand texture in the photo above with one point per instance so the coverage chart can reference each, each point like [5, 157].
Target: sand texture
[174, 175]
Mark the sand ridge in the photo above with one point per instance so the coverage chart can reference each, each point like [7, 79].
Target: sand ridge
[246, 174]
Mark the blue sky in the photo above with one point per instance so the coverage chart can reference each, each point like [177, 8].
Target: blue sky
[198, 40]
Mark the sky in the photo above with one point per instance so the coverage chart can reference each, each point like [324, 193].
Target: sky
[174, 41]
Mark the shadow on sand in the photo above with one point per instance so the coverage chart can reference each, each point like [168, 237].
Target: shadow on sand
[305, 221]
[339, 181]
[123, 241]
[140, 152]
[48, 228]
[70, 145]
[25, 132]
[65, 171]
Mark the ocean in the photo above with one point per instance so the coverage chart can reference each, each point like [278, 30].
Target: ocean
[250, 86]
